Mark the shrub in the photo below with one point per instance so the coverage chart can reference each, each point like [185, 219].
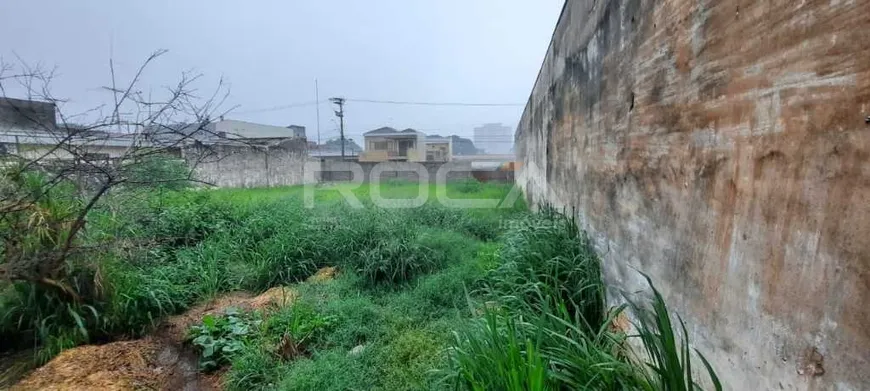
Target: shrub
[158, 171]
[185, 221]
[284, 336]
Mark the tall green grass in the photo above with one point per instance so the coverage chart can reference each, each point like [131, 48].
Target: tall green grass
[667, 348]
[546, 326]
[161, 251]
[428, 298]
[547, 263]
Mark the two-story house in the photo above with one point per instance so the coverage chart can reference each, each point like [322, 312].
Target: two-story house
[388, 144]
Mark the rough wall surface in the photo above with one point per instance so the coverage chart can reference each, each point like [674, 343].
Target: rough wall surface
[250, 166]
[720, 147]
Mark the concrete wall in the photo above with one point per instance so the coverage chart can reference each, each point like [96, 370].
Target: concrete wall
[721, 147]
[247, 166]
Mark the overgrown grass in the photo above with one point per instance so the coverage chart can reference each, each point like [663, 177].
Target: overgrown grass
[427, 298]
[548, 328]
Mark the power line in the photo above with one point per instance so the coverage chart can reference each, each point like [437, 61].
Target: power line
[391, 102]
[396, 102]
[278, 108]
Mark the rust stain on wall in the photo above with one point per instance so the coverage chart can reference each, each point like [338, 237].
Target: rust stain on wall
[721, 147]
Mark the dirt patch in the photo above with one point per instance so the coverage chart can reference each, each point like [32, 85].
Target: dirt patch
[147, 363]
[157, 362]
[323, 275]
[274, 298]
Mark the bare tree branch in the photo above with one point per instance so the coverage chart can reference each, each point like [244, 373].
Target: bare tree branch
[66, 150]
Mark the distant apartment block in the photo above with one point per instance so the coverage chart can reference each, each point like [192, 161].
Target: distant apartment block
[494, 138]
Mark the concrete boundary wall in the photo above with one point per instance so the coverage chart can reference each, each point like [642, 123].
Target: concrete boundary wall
[288, 164]
[249, 166]
[721, 147]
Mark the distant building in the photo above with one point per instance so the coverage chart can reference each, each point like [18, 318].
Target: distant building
[331, 150]
[388, 144]
[19, 114]
[463, 146]
[298, 131]
[235, 130]
[439, 149]
[29, 130]
[494, 138]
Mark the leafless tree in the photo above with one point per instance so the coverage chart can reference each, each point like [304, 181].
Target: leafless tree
[37, 236]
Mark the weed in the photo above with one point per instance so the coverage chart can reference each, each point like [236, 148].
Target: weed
[357, 321]
[497, 355]
[468, 186]
[407, 361]
[254, 367]
[409, 278]
[220, 338]
[331, 370]
[547, 262]
[298, 325]
[671, 361]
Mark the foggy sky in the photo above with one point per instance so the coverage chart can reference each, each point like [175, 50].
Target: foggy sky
[270, 52]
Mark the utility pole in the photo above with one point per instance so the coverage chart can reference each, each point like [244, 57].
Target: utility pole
[340, 114]
[317, 99]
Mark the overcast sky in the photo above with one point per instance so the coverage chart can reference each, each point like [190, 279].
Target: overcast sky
[478, 51]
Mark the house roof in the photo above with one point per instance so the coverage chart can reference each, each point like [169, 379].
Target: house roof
[383, 130]
[172, 134]
[388, 131]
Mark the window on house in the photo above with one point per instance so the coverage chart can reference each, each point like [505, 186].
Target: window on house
[379, 145]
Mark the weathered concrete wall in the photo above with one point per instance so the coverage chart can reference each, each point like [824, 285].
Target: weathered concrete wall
[248, 166]
[721, 147]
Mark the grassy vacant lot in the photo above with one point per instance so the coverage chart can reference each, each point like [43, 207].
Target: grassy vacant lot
[425, 298]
